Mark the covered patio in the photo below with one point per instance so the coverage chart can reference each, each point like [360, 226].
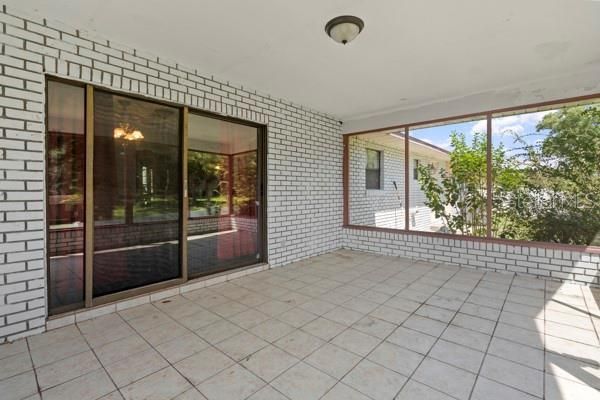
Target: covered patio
[344, 325]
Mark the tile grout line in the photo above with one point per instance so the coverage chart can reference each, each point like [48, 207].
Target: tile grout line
[486, 352]
[440, 336]
[385, 339]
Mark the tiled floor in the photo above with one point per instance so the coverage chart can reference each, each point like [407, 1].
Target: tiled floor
[344, 325]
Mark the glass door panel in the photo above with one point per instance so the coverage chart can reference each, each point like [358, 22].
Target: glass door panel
[137, 180]
[223, 229]
[65, 182]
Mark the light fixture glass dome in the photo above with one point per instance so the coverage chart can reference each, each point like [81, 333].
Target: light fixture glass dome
[344, 29]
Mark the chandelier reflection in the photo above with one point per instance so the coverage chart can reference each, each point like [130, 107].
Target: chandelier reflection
[125, 132]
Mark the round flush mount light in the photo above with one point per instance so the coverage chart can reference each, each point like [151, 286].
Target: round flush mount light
[344, 29]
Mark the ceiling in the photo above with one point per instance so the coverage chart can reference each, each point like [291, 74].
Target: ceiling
[411, 53]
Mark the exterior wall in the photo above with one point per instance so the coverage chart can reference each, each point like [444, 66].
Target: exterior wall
[565, 265]
[304, 198]
[382, 208]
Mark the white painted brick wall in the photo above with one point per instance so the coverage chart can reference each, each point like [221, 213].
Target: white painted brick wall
[564, 265]
[304, 151]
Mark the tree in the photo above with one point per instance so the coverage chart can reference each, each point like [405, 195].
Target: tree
[563, 177]
[549, 191]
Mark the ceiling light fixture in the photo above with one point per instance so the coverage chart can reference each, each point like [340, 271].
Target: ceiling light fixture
[344, 29]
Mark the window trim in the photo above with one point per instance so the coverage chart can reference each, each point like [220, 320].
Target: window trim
[487, 116]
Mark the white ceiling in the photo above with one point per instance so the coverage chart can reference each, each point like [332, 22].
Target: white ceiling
[411, 53]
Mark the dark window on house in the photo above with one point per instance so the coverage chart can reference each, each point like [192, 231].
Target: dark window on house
[373, 169]
[416, 170]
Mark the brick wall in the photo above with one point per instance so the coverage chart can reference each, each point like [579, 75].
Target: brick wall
[382, 208]
[304, 151]
[564, 265]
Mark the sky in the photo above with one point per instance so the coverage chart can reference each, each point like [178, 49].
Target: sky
[504, 130]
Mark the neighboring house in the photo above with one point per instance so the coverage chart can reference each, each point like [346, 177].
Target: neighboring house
[377, 181]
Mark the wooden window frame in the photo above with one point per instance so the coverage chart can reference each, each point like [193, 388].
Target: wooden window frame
[488, 117]
[91, 301]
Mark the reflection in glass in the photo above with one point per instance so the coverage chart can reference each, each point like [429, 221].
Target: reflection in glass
[377, 162]
[448, 183]
[136, 193]
[65, 181]
[222, 190]
[546, 175]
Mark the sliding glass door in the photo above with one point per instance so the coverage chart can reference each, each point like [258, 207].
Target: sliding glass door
[143, 195]
[136, 193]
[223, 206]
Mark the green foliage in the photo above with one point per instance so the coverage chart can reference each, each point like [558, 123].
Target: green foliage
[548, 192]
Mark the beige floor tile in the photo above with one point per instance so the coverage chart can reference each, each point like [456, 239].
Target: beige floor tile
[164, 384]
[389, 314]
[116, 395]
[343, 316]
[486, 389]
[190, 394]
[436, 313]
[412, 340]
[203, 365]
[67, 369]
[105, 329]
[181, 347]
[10, 349]
[54, 337]
[333, 360]
[164, 333]
[526, 355]
[324, 328]
[273, 307]
[19, 386]
[519, 335]
[218, 331]
[414, 390]
[269, 362]
[234, 383]
[299, 344]
[134, 367]
[87, 387]
[136, 312]
[50, 353]
[267, 393]
[564, 389]
[271, 330]
[199, 320]
[572, 333]
[15, 365]
[343, 392]
[445, 378]
[526, 379]
[457, 355]
[120, 349]
[466, 337]
[374, 327]
[356, 342]
[303, 382]
[150, 320]
[396, 358]
[296, 317]
[378, 382]
[425, 325]
[241, 345]
[317, 307]
[249, 318]
[583, 371]
[477, 324]
[228, 309]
